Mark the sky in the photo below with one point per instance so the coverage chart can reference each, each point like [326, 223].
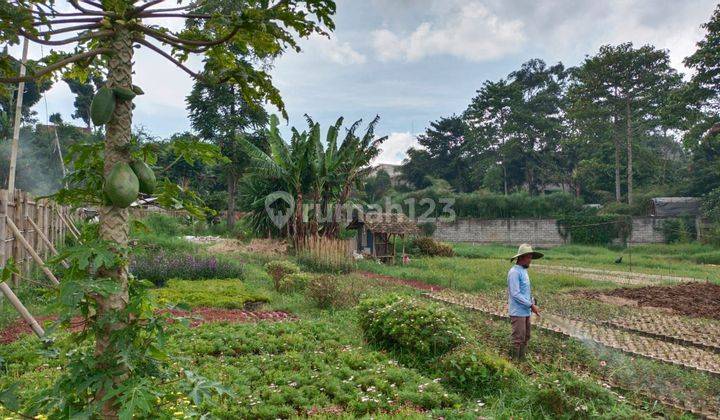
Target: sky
[415, 61]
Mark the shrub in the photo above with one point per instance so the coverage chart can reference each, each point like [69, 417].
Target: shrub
[477, 371]
[428, 228]
[571, 397]
[678, 230]
[163, 224]
[332, 292]
[230, 294]
[405, 324]
[325, 255]
[160, 266]
[294, 282]
[280, 268]
[430, 247]
[591, 228]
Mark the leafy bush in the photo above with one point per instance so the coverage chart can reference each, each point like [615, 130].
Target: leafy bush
[161, 266]
[591, 228]
[294, 282]
[478, 372]
[163, 224]
[679, 230]
[280, 268]
[427, 228]
[428, 246]
[229, 294]
[565, 395]
[332, 292]
[409, 325]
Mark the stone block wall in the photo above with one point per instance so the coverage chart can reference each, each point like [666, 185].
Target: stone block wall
[539, 232]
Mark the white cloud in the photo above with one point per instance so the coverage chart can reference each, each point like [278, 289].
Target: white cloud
[469, 31]
[395, 148]
[337, 52]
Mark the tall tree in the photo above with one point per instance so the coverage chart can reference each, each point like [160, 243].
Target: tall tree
[626, 87]
[104, 35]
[84, 91]
[441, 155]
[517, 122]
[8, 94]
[220, 114]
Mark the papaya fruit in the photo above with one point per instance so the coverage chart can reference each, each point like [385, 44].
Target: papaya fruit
[124, 94]
[121, 185]
[138, 90]
[145, 176]
[102, 106]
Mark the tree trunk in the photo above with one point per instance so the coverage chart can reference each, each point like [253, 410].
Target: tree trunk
[114, 226]
[232, 187]
[629, 152]
[616, 140]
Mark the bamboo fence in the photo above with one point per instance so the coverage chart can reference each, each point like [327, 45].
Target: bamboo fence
[32, 230]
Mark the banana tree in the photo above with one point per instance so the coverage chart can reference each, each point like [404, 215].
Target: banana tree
[288, 163]
[355, 154]
[102, 37]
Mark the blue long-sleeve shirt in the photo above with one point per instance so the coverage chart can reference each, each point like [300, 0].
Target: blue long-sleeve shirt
[519, 297]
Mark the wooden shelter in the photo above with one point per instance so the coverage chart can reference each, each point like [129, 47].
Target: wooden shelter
[375, 233]
[675, 207]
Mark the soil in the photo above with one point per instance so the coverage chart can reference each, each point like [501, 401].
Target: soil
[197, 317]
[698, 300]
[416, 284]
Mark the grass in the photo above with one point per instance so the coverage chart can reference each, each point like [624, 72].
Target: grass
[228, 294]
[684, 260]
[475, 274]
[321, 365]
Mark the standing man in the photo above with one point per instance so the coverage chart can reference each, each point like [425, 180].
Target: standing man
[520, 300]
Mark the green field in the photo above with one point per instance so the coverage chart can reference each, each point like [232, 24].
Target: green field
[321, 363]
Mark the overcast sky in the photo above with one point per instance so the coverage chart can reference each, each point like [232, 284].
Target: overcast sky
[414, 61]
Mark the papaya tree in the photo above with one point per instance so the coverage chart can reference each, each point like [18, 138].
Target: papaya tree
[99, 38]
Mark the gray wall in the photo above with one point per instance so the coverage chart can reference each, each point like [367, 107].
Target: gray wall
[538, 232]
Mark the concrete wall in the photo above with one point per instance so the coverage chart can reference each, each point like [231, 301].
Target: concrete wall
[539, 232]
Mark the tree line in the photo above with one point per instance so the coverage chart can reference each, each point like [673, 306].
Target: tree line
[622, 121]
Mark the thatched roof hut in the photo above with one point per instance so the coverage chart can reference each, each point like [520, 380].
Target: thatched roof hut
[375, 232]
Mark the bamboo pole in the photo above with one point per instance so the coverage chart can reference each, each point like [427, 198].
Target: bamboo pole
[18, 115]
[22, 309]
[47, 242]
[62, 219]
[69, 223]
[32, 252]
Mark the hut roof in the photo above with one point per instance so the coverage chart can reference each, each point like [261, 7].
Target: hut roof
[675, 206]
[392, 223]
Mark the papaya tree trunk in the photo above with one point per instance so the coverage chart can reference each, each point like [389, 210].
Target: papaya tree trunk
[114, 226]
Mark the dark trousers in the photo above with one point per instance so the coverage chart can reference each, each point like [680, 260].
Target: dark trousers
[520, 331]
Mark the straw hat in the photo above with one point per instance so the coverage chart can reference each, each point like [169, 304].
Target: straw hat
[527, 249]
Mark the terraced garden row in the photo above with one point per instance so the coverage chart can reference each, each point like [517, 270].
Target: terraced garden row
[620, 277]
[624, 340]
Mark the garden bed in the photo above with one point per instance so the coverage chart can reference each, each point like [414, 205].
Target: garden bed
[691, 299]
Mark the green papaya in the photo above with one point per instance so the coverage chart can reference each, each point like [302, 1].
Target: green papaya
[124, 94]
[145, 175]
[121, 185]
[138, 90]
[102, 106]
